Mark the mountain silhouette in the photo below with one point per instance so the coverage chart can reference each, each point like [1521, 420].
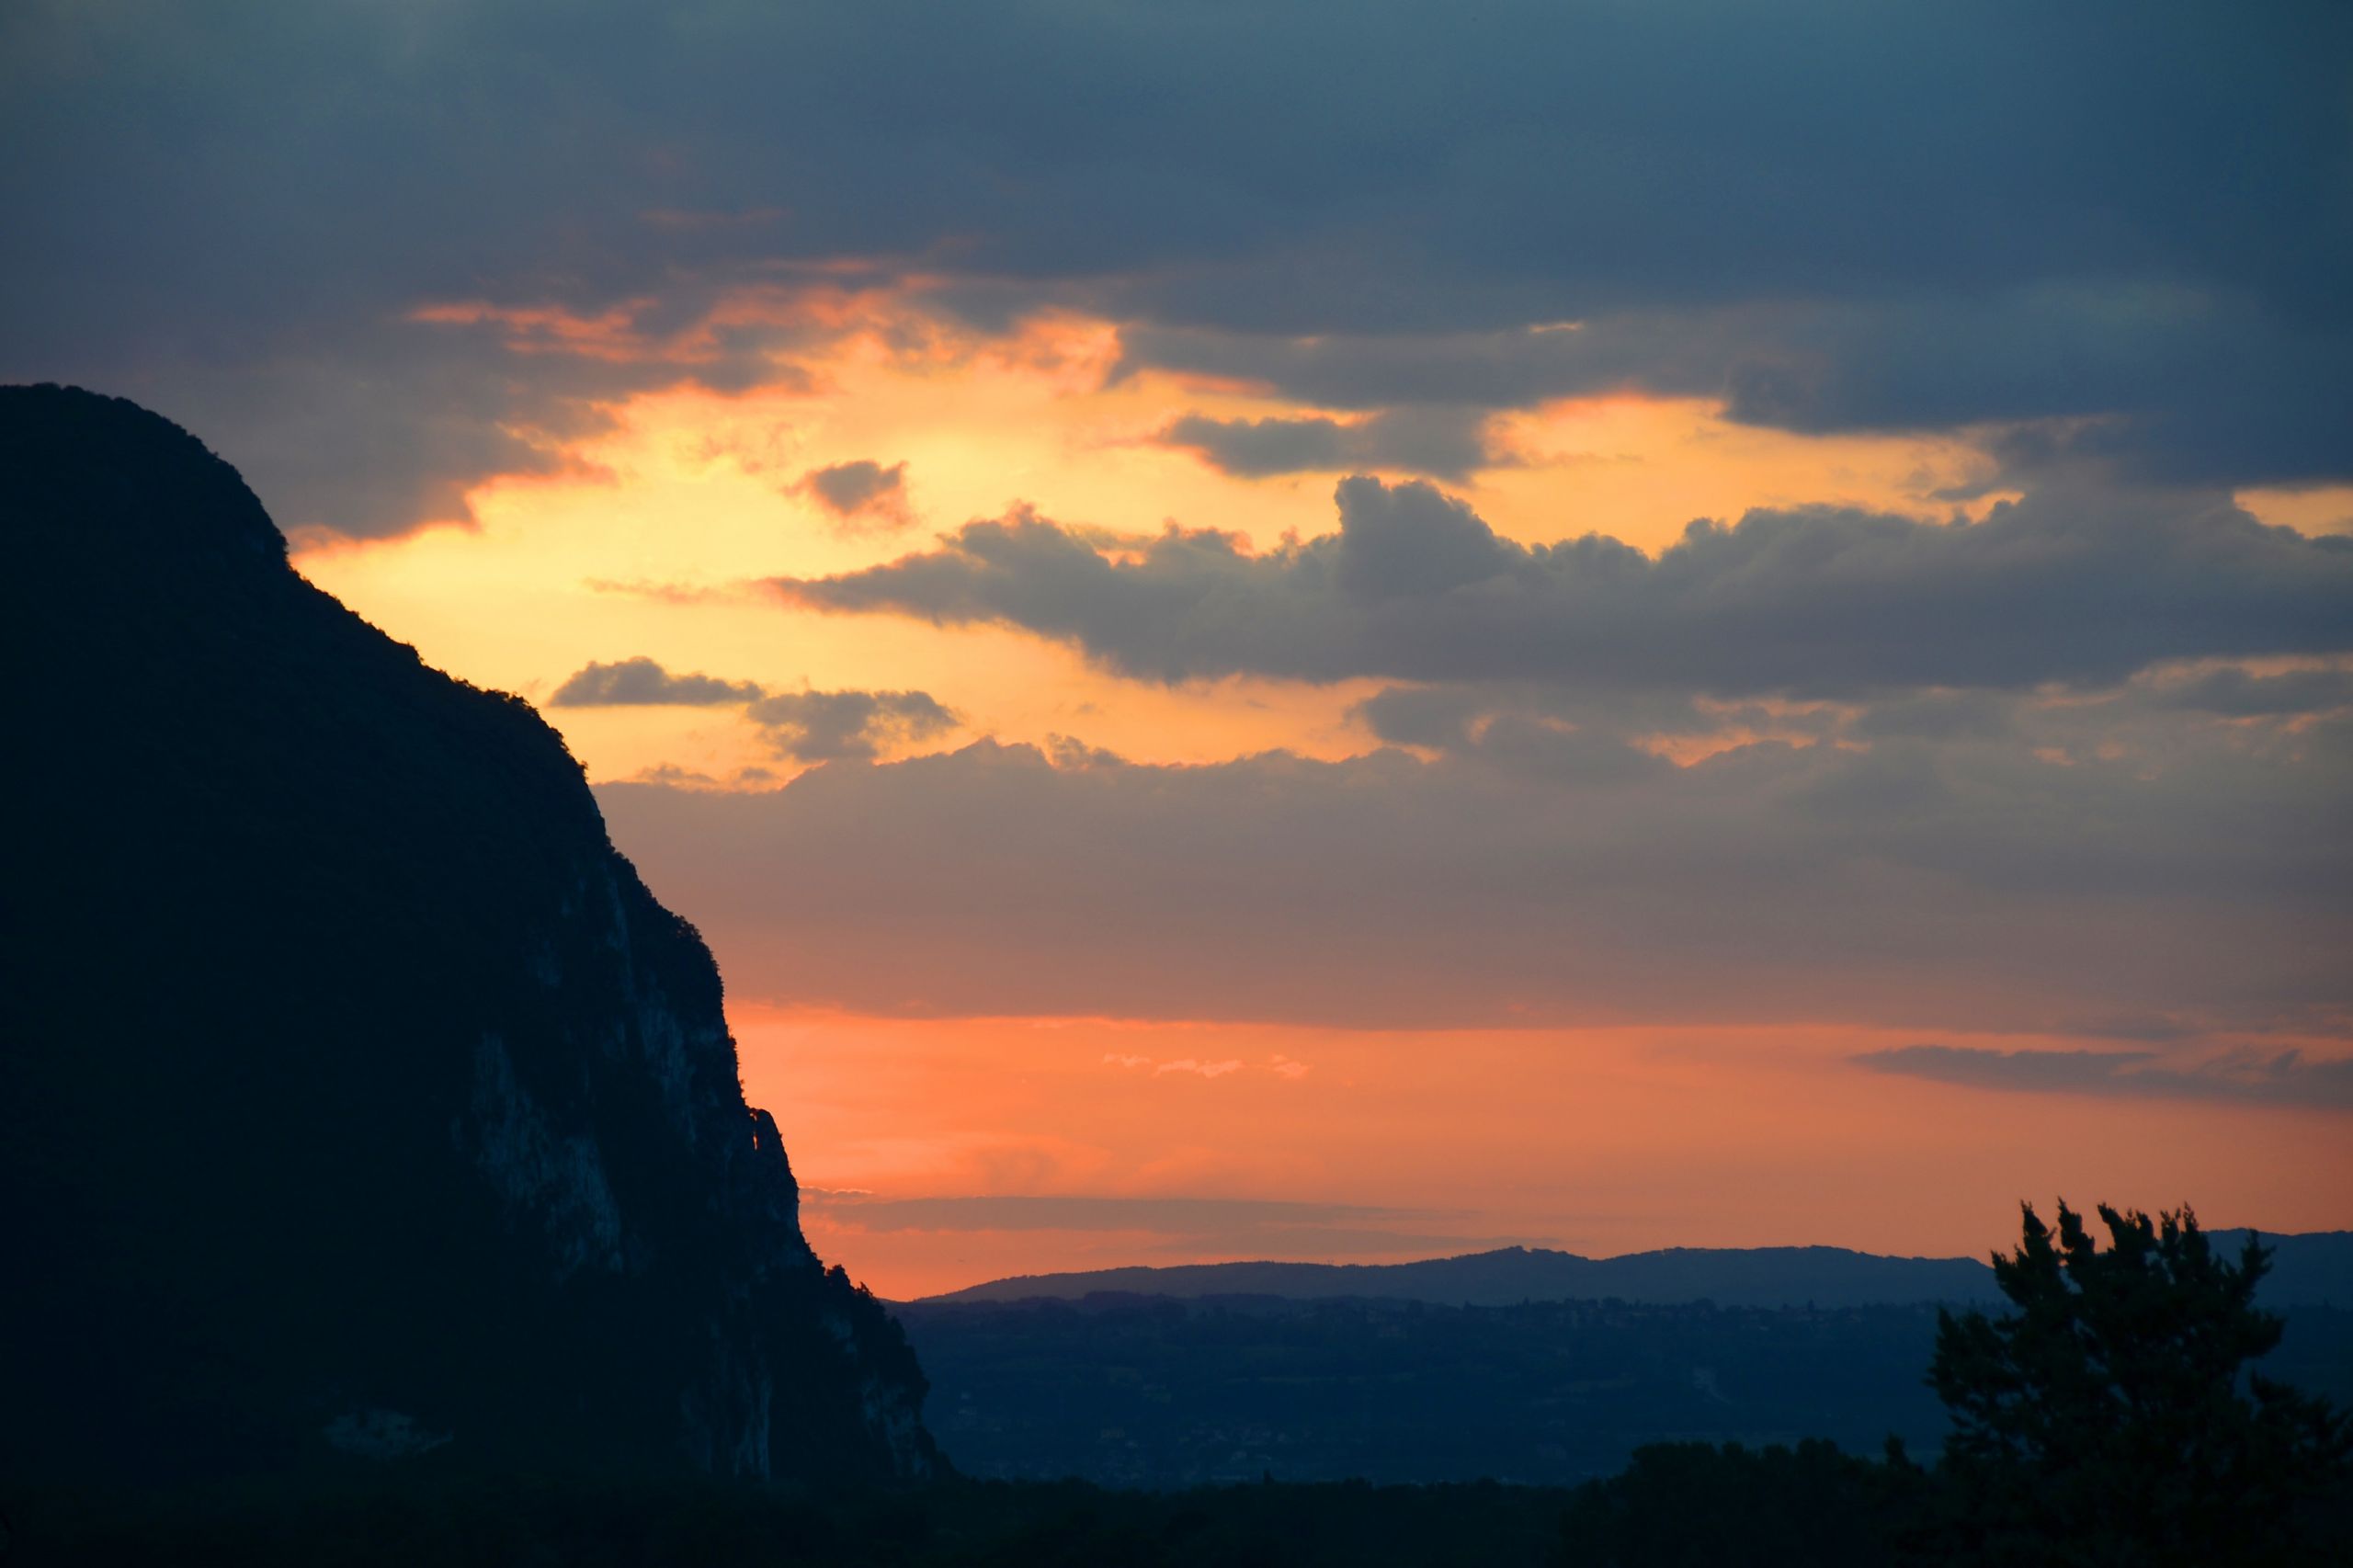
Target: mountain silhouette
[2308, 1270]
[354, 1093]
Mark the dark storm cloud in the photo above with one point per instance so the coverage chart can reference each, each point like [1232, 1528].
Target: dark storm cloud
[864, 487]
[1496, 367]
[369, 433]
[1813, 602]
[828, 726]
[1436, 717]
[2175, 386]
[1536, 875]
[1446, 443]
[2179, 386]
[641, 683]
[1916, 215]
[2284, 1077]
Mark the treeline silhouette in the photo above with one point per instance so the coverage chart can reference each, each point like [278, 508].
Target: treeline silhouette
[1147, 1392]
[2108, 1416]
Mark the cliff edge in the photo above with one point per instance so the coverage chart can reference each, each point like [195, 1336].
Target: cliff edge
[355, 1094]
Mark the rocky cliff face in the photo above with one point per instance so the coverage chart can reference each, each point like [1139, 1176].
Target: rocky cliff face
[355, 1094]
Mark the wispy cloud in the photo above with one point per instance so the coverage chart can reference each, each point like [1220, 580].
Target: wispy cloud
[1203, 1069]
[2284, 1077]
[1258, 1227]
[1281, 1066]
[663, 592]
[1089, 1213]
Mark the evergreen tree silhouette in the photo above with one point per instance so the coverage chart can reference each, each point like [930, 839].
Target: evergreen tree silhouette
[2112, 1419]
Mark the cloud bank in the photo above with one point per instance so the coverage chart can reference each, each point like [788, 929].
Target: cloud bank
[1444, 443]
[832, 726]
[641, 683]
[1539, 874]
[389, 250]
[806, 726]
[1817, 602]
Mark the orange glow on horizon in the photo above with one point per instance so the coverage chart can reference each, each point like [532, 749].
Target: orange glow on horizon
[1595, 1140]
[653, 539]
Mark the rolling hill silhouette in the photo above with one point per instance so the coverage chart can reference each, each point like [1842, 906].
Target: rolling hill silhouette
[2307, 1270]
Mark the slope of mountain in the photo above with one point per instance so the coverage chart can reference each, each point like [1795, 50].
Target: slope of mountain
[1759, 1277]
[353, 1092]
[2307, 1270]
[2314, 1269]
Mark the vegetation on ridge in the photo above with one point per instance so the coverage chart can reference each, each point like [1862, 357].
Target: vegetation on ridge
[2117, 1385]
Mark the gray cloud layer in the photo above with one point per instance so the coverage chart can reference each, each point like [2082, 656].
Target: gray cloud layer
[829, 726]
[1815, 602]
[861, 488]
[2237, 694]
[1446, 443]
[1536, 874]
[641, 683]
[807, 726]
[2284, 1077]
[1795, 205]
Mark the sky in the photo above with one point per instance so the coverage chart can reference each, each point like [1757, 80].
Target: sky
[1340, 630]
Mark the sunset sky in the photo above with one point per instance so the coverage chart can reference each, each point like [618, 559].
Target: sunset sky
[1338, 631]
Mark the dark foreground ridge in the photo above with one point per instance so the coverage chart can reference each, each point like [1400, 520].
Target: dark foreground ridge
[356, 1095]
[2315, 1269]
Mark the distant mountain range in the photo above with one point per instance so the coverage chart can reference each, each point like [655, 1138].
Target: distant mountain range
[2310, 1269]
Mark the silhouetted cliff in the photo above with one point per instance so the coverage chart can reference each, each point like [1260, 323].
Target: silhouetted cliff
[354, 1094]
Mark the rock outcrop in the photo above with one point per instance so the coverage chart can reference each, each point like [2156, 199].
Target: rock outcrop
[354, 1094]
